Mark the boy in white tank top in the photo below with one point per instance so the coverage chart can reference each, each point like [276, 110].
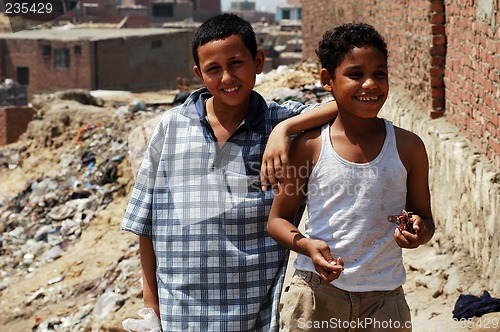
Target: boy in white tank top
[353, 174]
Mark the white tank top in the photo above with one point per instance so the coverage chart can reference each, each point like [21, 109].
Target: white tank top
[348, 204]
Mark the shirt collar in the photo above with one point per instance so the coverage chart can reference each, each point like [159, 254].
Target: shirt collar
[194, 108]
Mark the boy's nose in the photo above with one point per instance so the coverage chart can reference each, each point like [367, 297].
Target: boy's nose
[369, 83]
[226, 76]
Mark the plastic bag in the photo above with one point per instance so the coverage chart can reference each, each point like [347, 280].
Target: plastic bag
[149, 323]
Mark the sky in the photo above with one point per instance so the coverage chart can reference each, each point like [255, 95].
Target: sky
[263, 5]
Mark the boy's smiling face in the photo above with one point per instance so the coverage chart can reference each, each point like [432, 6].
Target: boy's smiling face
[228, 70]
[361, 82]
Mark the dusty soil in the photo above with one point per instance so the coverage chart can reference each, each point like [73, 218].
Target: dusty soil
[96, 282]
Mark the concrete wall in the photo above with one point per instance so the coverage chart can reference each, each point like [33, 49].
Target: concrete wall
[464, 184]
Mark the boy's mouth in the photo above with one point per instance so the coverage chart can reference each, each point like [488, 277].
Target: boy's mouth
[368, 99]
[229, 90]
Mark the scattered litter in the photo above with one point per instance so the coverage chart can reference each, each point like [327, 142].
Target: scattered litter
[149, 322]
[55, 280]
[468, 306]
[49, 215]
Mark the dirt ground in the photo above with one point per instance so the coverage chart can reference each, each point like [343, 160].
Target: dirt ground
[96, 283]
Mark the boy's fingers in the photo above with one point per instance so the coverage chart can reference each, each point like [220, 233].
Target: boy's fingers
[263, 175]
[405, 239]
[327, 255]
[340, 261]
[278, 170]
[334, 270]
[270, 173]
[285, 166]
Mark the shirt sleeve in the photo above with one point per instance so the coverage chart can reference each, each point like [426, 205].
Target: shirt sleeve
[288, 109]
[138, 215]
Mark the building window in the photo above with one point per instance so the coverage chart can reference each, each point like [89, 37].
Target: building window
[163, 10]
[61, 57]
[156, 44]
[286, 14]
[77, 50]
[46, 51]
[23, 75]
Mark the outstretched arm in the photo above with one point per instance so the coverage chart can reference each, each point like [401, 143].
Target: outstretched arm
[287, 201]
[414, 157]
[275, 158]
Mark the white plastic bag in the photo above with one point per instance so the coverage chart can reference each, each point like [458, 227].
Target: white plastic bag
[149, 323]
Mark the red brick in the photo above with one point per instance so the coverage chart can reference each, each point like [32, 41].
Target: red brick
[436, 7]
[437, 93]
[13, 122]
[437, 18]
[439, 40]
[436, 72]
[437, 50]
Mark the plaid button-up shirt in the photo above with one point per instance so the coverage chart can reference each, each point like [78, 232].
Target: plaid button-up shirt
[201, 203]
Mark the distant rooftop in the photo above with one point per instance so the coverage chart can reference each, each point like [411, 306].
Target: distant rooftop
[86, 34]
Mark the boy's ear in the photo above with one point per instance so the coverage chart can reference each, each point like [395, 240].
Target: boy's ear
[260, 59]
[325, 79]
[198, 73]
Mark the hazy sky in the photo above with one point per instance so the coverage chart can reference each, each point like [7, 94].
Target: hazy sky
[263, 5]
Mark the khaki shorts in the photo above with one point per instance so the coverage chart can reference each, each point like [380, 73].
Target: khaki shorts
[313, 305]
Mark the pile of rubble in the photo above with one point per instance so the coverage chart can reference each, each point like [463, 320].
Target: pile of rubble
[65, 265]
[75, 162]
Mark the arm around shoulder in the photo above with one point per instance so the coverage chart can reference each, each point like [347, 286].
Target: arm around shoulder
[275, 158]
[317, 116]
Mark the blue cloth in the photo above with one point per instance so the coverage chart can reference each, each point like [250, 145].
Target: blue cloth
[201, 203]
[468, 306]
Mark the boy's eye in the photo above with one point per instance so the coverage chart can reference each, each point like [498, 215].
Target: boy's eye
[212, 69]
[355, 74]
[236, 62]
[381, 74]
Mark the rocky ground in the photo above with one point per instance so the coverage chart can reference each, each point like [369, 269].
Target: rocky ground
[65, 263]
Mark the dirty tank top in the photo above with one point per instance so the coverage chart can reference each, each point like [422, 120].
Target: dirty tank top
[348, 204]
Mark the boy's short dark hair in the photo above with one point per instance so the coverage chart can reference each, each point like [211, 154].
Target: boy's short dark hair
[337, 42]
[221, 27]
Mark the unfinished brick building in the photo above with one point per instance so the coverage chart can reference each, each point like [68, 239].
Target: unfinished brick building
[129, 59]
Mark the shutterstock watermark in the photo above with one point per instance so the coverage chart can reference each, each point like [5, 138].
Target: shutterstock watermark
[335, 323]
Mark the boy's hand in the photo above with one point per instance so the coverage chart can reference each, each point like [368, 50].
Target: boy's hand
[275, 158]
[327, 267]
[410, 241]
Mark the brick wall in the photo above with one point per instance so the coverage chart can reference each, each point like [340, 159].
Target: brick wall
[446, 55]
[13, 122]
[42, 74]
[472, 75]
[131, 62]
